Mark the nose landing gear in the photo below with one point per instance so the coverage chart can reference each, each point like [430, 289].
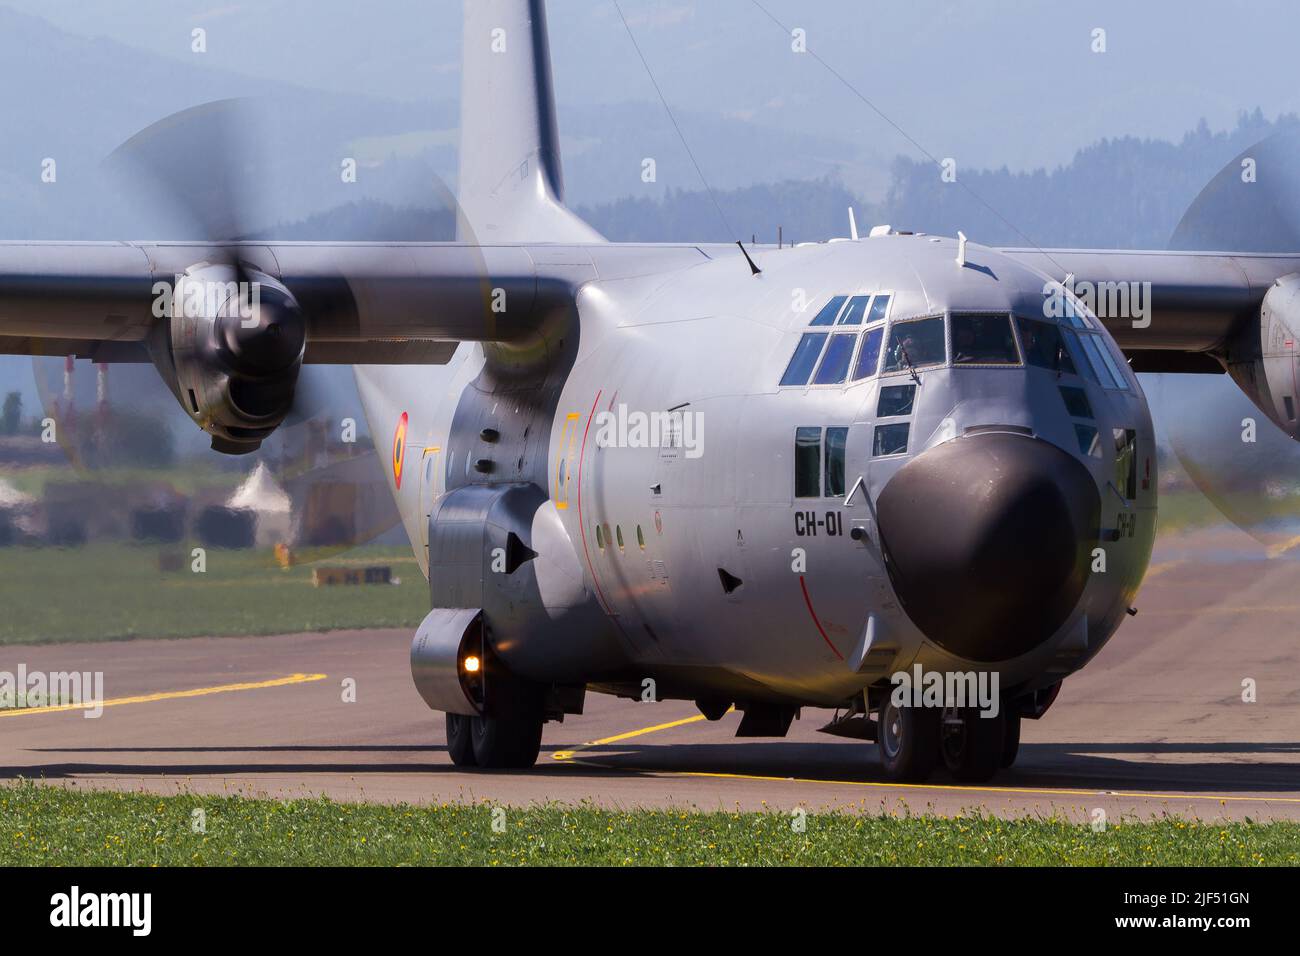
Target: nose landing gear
[908, 738]
[972, 745]
[971, 742]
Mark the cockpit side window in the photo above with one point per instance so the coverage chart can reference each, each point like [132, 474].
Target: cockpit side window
[804, 358]
[916, 343]
[826, 356]
[1099, 357]
[835, 363]
[1044, 346]
[869, 354]
[983, 339]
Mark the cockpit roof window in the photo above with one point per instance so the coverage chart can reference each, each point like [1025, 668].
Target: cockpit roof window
[879, 309]
[983, 339]
[831, 309]
[857, 309]
[916, 343]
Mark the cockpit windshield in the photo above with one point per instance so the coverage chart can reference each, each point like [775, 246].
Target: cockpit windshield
[914, 344]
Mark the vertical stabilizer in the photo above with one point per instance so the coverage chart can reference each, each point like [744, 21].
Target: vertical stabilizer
[511, 184]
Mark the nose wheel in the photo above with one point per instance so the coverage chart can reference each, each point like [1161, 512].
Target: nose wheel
[913, 740]
[908, 738]
[973, 743]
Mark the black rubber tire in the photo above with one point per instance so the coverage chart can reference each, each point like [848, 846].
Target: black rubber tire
[1010, 739]
[460, 741]
[507, 741]
[975, 755]
[908, 741]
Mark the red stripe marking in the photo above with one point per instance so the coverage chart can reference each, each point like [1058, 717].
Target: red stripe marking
[807, 600]
[582, 525]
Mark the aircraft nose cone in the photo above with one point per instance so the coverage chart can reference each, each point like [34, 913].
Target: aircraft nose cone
[988, 541]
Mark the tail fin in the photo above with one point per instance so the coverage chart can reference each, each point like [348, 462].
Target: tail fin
[511, 185]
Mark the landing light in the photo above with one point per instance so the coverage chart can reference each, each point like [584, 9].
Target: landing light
[471, 664]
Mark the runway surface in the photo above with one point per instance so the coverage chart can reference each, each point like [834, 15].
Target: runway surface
[1155, 725]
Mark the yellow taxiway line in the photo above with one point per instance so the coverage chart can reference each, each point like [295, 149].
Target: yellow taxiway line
[570, 756]
[165, 695]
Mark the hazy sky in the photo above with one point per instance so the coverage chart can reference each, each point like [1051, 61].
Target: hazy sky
[1010, 82]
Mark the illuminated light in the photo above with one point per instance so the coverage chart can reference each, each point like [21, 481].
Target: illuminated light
[471, 664]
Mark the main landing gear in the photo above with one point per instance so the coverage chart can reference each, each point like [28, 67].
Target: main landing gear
[494, 743]
[972, 746]
[507, 736]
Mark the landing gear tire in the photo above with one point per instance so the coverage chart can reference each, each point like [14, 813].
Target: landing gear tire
[460, 743]
[908, 738]
[1010, 739]
[972, 744]
[508, 741]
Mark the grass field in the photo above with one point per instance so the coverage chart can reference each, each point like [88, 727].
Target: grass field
[112, 591]
[42, 825]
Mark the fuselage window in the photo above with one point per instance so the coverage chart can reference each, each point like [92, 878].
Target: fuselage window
[640, 538]
[1076, 402]
[1126, 470]
[618, 534]
[857, 309]
[890, 440]
[1089, 444]
[836, 439]
[869, 354]
[600, 538]
[1043, 345]
[808, 463]
[804, 358]
[831, 309]
[979, 339]
[915, 344]
[835, 362]
[895, 400]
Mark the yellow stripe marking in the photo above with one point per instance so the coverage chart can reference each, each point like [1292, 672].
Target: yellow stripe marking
[166, 695]
[569, 755]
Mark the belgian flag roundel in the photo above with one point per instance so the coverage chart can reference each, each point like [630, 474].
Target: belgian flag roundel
[399, 449]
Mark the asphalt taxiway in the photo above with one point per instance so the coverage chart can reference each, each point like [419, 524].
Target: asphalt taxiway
[1156, 724]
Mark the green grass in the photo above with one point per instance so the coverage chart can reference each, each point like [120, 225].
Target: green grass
[44, 825]
[111, 591]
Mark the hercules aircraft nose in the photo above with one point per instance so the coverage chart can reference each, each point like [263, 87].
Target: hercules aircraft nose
[987, 540]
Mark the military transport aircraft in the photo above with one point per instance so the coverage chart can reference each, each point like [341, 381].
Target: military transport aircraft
[759, 478]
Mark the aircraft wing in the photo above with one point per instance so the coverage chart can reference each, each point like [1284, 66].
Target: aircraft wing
[363, 303]
[1167, 310]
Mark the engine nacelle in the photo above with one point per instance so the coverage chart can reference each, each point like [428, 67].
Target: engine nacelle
[1263, 358]
[230, 346]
